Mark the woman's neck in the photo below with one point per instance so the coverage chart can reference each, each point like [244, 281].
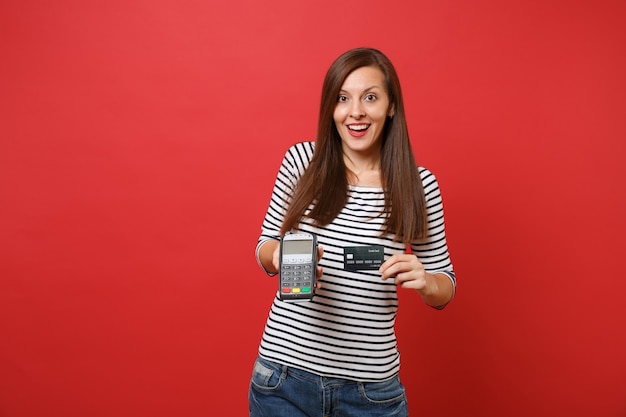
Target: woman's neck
[363, 171]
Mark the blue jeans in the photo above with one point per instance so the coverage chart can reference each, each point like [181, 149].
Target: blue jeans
[280, 391]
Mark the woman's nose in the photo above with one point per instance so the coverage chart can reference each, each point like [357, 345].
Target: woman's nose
[357, 110]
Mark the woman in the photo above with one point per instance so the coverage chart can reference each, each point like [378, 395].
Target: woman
[357, 185]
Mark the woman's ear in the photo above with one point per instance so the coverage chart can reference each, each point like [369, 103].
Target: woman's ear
[391, 112]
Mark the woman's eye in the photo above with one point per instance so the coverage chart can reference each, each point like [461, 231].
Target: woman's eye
[370, 97]
[342, 99]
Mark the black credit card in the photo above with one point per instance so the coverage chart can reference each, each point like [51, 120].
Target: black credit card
[359, 258]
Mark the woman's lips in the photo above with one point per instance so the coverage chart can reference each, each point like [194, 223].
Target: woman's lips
[358, 130]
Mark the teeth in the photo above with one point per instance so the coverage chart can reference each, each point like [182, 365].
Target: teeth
[358, 128]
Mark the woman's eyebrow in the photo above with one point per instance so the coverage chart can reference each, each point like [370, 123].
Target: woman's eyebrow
[364, 91]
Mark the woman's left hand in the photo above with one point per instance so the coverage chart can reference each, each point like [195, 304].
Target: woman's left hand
[408, 272]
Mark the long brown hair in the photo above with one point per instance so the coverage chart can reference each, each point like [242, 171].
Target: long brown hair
[324, 184]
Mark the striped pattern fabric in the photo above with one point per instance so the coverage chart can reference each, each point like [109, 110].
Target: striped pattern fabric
[347, 330]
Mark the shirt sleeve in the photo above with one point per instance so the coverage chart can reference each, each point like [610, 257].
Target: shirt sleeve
[433, 251]
[294, 163]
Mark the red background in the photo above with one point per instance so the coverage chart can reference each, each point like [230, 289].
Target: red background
[139, 141]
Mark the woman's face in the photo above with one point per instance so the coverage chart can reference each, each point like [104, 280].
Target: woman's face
[361, 111]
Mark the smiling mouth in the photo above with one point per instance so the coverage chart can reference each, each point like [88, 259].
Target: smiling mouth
[358, 130]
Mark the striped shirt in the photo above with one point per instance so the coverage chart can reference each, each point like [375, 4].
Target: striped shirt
[347, 329]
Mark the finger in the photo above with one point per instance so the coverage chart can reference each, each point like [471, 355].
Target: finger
[320, 253]
[396, 259]
[388, 263]
[393, 270]
[413, 284]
